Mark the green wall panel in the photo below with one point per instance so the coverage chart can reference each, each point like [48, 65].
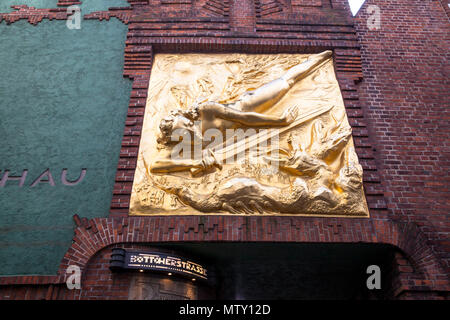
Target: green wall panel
[5, 5]
[63, 104]
[100, 5]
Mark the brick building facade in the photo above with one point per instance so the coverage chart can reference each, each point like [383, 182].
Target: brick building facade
[394, 81]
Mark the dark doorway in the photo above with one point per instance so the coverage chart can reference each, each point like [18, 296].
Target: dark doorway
[291, 270]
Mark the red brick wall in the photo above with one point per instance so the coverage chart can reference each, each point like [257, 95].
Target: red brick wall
[405, 94]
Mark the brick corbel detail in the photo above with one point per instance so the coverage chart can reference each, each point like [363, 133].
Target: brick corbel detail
[33, 15]
[66, 3]
[124, 14]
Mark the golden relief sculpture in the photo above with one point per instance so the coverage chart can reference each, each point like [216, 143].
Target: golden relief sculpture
[246, 134]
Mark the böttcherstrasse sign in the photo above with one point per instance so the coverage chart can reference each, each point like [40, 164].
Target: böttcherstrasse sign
[163, 262]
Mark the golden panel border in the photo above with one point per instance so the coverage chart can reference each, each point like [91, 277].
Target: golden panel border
[179, 81]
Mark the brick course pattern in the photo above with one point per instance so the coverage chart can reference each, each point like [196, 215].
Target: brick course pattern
[405, 91]
[395, 93]
[33, 15]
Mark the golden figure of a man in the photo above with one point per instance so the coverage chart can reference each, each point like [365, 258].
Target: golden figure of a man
[219, 116]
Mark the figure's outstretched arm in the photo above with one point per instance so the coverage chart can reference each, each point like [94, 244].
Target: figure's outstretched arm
[301, 70]
[165, 165]
[270, 93]
[168, 165]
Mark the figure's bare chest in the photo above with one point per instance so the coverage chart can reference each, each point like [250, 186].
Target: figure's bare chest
[211, 123]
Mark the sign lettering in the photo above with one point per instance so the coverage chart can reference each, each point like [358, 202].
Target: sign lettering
[45, 177]
[156, 261]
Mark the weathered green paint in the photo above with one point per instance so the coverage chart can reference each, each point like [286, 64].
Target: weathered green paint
[100, 5]
[5, 5]
[63, 104]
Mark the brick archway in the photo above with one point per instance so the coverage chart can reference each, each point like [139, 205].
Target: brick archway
[94, 235]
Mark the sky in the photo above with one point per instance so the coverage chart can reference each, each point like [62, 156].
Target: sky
[355, 5]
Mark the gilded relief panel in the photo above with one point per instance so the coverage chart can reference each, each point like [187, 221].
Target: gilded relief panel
[246, 134]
